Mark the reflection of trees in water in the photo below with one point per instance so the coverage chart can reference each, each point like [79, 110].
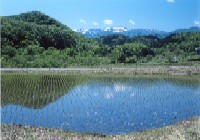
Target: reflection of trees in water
[36, 91]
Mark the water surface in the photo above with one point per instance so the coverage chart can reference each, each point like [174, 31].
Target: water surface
[101, 105]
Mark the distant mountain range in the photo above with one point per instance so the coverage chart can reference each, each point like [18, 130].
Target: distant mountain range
[93, 33]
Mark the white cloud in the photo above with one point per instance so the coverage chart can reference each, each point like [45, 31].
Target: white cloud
[108, 22]
[197, 23]
[83, 21]
[171, 1]
[131, 22]
[95, 23]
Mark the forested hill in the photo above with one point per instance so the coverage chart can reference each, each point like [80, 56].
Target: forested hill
[34, 39]
[37, 17]
[36, 28]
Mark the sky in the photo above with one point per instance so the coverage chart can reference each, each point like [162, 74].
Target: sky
[165, 15]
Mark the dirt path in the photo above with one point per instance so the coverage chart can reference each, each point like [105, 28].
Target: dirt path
[137, 70]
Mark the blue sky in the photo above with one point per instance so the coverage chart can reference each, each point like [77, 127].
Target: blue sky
[164, 15]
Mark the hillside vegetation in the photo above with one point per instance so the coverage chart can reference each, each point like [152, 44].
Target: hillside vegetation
[34, 39]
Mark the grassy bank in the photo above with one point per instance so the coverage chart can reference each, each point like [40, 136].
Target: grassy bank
[186, 130]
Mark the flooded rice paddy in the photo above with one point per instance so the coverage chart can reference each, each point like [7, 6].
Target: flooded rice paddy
[92, 104]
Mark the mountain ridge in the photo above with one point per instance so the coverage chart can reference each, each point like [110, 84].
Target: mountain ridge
[93, 33]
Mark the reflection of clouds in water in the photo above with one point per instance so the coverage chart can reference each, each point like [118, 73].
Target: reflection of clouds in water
[119, 87]
[132, 94]
[96, 94]
[108, 95]
[105, 91]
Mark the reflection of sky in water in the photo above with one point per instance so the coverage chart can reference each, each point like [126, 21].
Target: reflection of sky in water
[116, 107]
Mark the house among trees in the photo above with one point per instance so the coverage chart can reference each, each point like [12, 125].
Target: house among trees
[198, 50]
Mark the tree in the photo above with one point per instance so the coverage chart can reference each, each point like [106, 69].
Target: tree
[8, 50]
